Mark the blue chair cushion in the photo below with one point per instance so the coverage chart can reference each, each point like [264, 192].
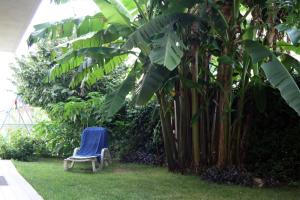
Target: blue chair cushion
[93, 140]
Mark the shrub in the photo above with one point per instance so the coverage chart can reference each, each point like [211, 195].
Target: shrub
[136, 135]
[144, 158]
[58, 139]
[229, 175]
[131, 130]
[273, 150]
[4, 148]
[19, 146]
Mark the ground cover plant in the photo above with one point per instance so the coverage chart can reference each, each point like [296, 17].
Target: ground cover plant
[132, 181]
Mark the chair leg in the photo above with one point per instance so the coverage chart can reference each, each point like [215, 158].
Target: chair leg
[105, 157]
[94, 166]
[66, 165]
[100, 165]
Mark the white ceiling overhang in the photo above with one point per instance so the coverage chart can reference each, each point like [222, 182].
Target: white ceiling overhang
[15, 16]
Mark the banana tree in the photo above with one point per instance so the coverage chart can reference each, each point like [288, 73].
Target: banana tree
[191, 56]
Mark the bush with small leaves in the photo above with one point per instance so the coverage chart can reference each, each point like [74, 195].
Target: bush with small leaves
[229, 175]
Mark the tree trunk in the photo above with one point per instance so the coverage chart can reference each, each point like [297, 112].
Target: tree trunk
[224, 101]
[239, 122]
[195, 105]
[168, 137]
[180, 110]
[205, 139]
[224, 75]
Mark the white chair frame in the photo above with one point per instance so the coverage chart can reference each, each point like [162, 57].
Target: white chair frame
[105, 160]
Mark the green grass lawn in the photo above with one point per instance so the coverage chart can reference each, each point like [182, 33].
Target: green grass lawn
[132, 181]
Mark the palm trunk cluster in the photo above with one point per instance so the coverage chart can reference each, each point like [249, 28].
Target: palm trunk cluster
[198, 128]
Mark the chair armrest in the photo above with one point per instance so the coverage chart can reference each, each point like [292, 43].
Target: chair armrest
[75, 151]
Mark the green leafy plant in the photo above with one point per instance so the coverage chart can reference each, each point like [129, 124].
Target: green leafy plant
[19, 146]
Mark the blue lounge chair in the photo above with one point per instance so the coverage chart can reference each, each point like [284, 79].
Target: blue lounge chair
[93, 148]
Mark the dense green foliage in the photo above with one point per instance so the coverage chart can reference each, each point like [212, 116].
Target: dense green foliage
[58, 138]
[273, 149]
[31, 74]
[71, 110]
[136, 130]
[135, 182]
[132, 129]
[31, 79]
[21, 146]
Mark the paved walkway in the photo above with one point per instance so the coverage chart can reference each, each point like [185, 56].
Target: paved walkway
[13, 186]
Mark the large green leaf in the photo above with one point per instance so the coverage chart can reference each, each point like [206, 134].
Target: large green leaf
[98, 72]
[294, 35]
[90, 52]
[290, 62]
[114, 11]
[83, 70]
[66, 28]
[256, 51]
[143, 35]
[91, 39]
[74, 59]
[91, 24]
[60, 69]
[114, 101]
[152, 80]
[292, 32]
[78, 78]
[276, 74]
[129, 4]
[92, 70]
[280, 78]
[168, 50]
[96, 39]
